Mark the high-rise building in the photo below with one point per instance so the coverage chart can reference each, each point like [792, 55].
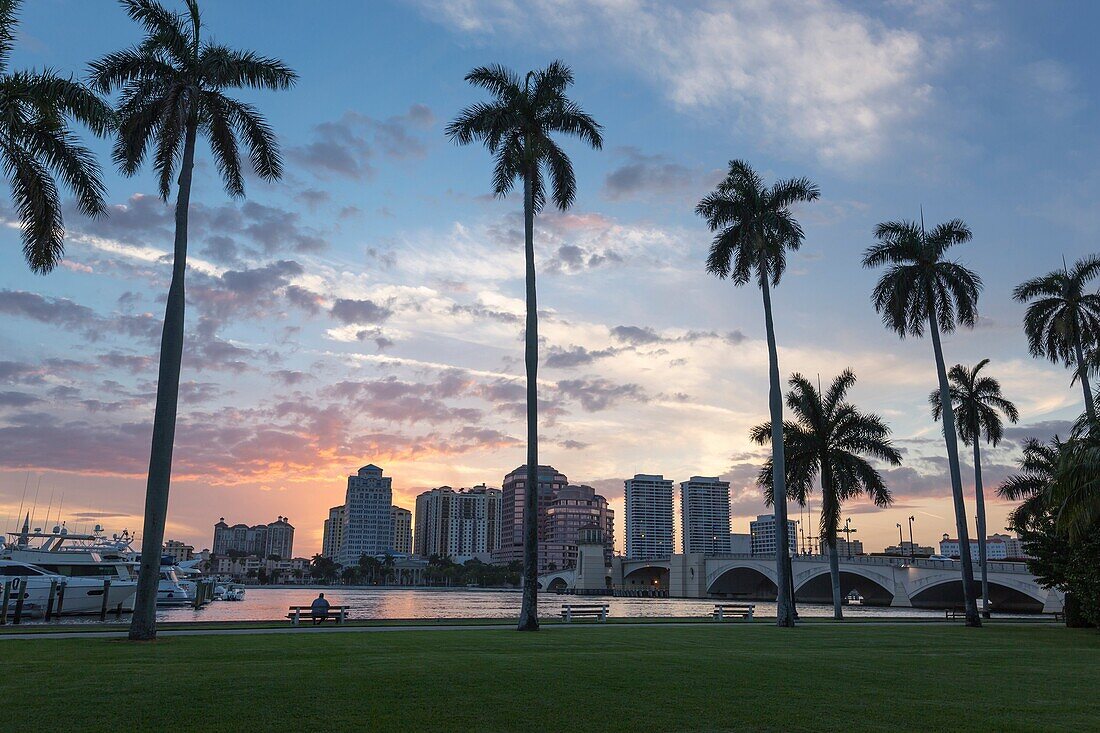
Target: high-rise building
[402, 530]
[276, 538]
[279, 539]
[763, 535]
[705, 515]
[461, 524]
[369, 520]
[513, 490]
[179, 551]
[571, 509]
[649, 525]
[997, 547]
[333, 536]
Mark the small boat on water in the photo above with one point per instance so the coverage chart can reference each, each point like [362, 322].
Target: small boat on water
[82, 595]
[853, 598]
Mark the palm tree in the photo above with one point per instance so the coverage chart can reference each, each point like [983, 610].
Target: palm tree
[516, 127]
[1062, 319]
[976, 400]
[172, 87]
[1030, 486]
[829, 438]
[920, 289]
[754, 228]
[36, 144]
[1074, 492]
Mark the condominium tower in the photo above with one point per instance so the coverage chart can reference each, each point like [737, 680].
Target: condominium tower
[402, 530]
[461, 525]
[513, 490]
[571, 509]
[705, 515]
[369, 521]
[649, 532]
[333, 536]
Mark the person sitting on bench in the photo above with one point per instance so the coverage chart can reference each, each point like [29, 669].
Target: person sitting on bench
[319, 609]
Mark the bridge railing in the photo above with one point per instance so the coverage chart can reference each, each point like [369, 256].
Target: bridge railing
[994, 567]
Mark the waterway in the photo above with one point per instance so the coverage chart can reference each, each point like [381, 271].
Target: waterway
[270, 603]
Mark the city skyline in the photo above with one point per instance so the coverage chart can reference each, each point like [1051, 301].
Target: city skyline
[368, 308]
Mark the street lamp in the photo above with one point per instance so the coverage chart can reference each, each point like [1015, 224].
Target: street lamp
[848, 535]
[900, 540]
[912, 546]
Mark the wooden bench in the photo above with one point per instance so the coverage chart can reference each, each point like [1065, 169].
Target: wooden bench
[1059, 616]
[570, 611]
[950, 613]
[723, 611]
[297, 613]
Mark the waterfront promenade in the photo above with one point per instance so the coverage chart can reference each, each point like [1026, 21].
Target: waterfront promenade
[618, 677]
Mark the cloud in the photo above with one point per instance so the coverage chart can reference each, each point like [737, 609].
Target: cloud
[639, 175]
[599, 394]
[346, 147]
[70, 316]
[351, 311]
[820, 76]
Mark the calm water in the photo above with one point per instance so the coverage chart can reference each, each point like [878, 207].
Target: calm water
[265, 604]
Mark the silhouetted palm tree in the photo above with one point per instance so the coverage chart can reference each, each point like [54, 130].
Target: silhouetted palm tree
[920, 289]
[172, 87]
[1063, 320]
[516, 127]
[829, 437]
[976, 400]
[1074, 492]
[36, 144]
[754, 228]
[1031, 485]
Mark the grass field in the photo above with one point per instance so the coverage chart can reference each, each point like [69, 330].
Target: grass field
[609, 678]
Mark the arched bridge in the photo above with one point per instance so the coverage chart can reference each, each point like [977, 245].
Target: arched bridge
[882, 581]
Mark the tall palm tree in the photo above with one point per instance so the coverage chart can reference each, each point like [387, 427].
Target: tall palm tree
[172, 88]
[516, 126]
[921, 289]
[1031, 485]
[829, 437]
[36, 145]
[754, 228]
[1063, 319]
[977, 400]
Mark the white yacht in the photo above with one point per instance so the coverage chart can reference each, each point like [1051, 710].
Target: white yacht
[83, 595]
[92, 556]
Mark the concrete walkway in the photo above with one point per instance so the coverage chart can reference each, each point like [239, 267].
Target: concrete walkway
[465, 627]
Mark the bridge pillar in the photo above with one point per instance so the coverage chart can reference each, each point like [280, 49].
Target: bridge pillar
[901, 591]
[1055, 602]
[687, 576]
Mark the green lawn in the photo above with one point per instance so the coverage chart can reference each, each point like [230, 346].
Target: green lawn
[609, 678]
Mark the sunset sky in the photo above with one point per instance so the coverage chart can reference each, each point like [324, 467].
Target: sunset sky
[368, 308]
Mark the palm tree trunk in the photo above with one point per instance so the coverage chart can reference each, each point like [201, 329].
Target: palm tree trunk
[784, 599]
[528, 613]
[1082, 372]
[830, 511]
[979, 499]
[834, 576]
[143, 623]
[951, 438]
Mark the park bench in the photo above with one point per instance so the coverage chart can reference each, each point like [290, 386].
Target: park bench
[723, 611]
[297, 613]
[950, 613]
[1059, 616]
[570, 611]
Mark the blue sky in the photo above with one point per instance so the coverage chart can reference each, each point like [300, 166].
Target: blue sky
[365, 308]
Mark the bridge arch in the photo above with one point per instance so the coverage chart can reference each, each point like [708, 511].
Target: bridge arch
[647, 578]
[818, 587]
[743, 581]
[948, 593]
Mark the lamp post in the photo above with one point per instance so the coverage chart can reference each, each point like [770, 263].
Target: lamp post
[848, 535]
[912, 546]
[901, 541]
